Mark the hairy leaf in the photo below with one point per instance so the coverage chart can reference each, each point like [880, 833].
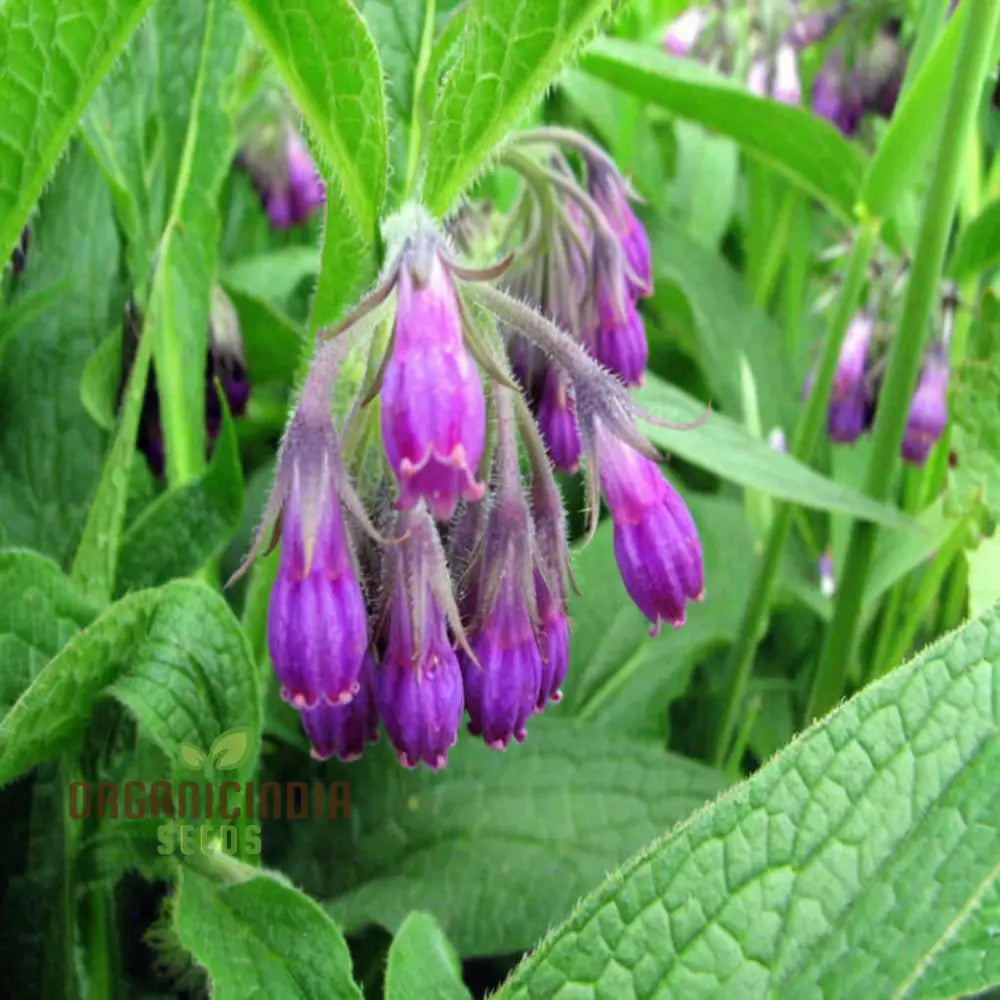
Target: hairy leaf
[423, 963]
[489, 845]
[508, 52]
[260, 937]
[54, 53]
[850, 864]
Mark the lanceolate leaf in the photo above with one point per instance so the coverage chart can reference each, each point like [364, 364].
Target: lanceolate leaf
[727, 449]
[175, 656]
[794, 142]
[178, 310]
[54, 54]
[509, 51]
[863, 860]
[489, 845]
[260, 937]
[979, 244]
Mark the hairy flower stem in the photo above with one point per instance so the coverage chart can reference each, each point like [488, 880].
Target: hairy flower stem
[807, 433]
[906, 352]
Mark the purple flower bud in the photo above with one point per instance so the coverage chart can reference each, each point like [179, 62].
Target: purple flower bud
[928, 409]
[504, 674]
[502, 687]
[787, 87]
[619, 342]
[682, 33]
[837, 102]
[343, 730]
[226, 360]
[553, 629]
[656, 541]
[557, 421]
[776, 439]
[432, 403]
[827, 582]
[815, 26]
[284, 175]
[848, 413]
[607, 188]
[305, 187]
[419, 682]
[316, 627]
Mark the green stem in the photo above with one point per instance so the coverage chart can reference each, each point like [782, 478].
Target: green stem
[807, 432]
[933, 19]
[415, 140]
[906, 352]
[774, 249]
[929, 588]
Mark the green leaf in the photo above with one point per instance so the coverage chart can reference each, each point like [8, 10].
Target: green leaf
[978, 245]
[727, 449]
[96, 559]
[272, 276]
[101, 381]
[54, 54]
[792, 141]
[902, 156]
[186, 526]
[330, 63]
[984, 574]
[729, 326]
[40, 611]
[200, 42]
[261, 938]
[175, 656]
[509, 51]
[272, 343]
[496, 843]
[847, 866]
[423, 963]
[51, 453]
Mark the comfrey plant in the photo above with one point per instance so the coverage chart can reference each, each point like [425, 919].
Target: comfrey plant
[437, 582]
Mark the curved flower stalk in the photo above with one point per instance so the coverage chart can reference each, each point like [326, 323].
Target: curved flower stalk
[462, 608]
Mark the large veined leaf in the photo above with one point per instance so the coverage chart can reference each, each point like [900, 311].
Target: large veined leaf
[489, 845]
[258, 936]
[40, 611]
[863, 860]
[508, 52]
[803, 147]
[50, 467]
[175, 656]
[727, 449]
[331, 65]
[53, 53]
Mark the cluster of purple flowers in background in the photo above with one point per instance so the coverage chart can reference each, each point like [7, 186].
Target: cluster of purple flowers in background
[443, 589]
[283, 173]
[854, 397]
[854, 79]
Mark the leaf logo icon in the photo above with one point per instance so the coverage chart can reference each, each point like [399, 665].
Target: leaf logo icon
[192, 756]
[229, 750]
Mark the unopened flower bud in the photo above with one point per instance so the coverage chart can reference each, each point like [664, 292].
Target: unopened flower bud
[317, 627]
[433, 409]
[848, 413]
[609, 191]
[656, 541]
[557, 421]
[343, 730]
[928, 414]
[419, 682]
[787, 87]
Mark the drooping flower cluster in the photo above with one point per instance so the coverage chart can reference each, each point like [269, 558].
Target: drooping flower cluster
[443, 589]
[858, 378]
[224, 361]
